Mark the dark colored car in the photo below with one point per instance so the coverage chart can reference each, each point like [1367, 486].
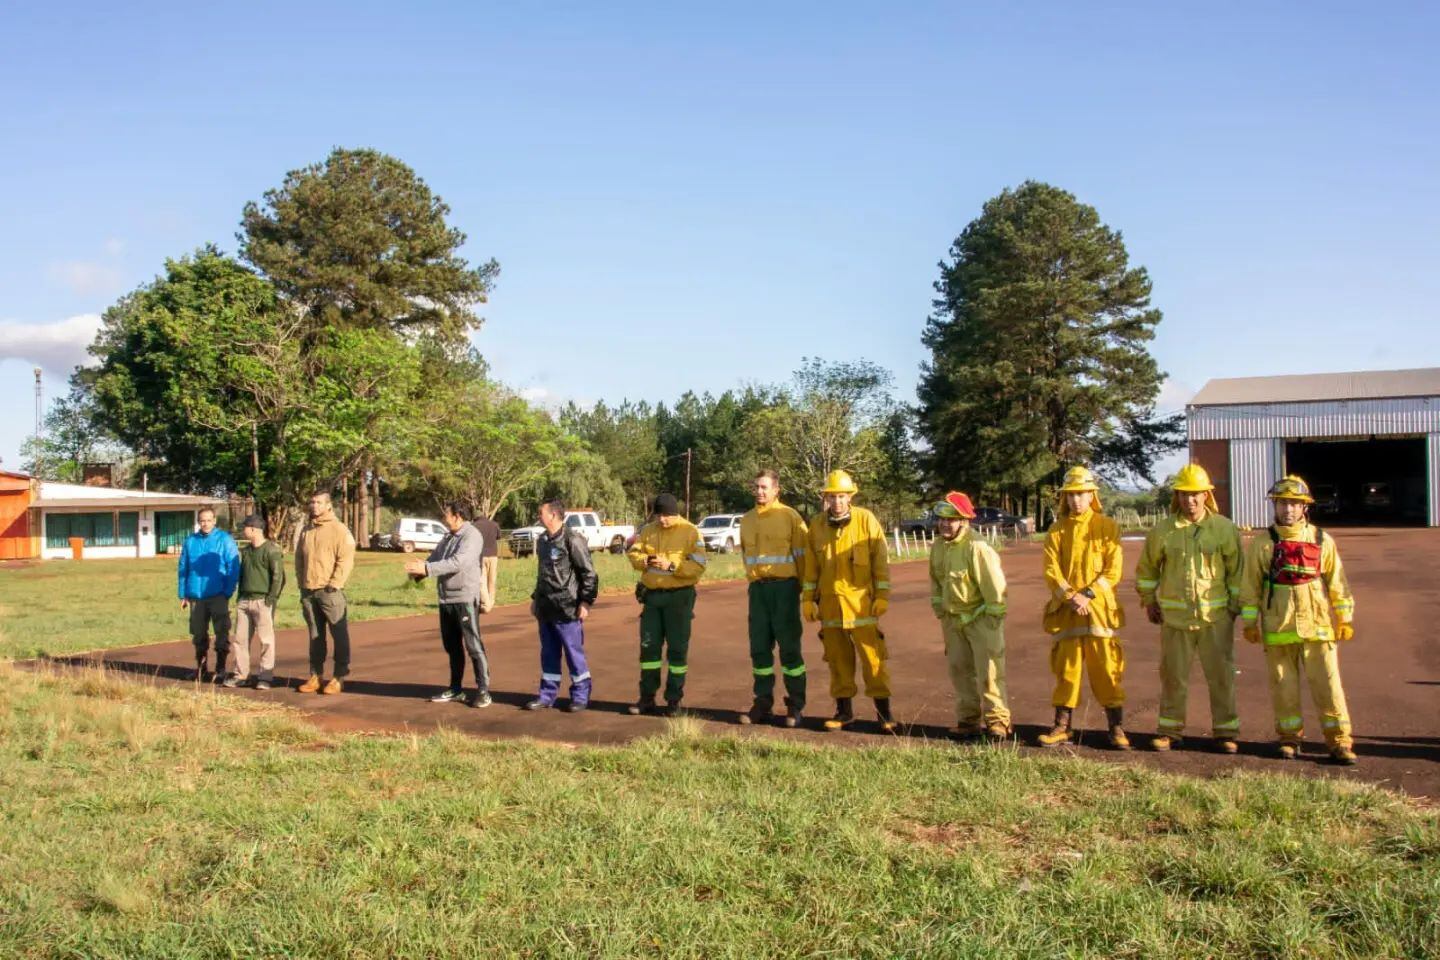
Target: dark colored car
[925, 523]
[995, 517]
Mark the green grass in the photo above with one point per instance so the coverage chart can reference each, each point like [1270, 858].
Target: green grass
[62, 607]
[165, 822]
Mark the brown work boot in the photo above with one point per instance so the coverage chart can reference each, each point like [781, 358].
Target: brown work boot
[1060, 733]
[333, 687]
[1288, 750]
[968, 730]
[310, 686]
[999, 731]
[1227, 745]
[643, 705]
[761, 711]
[1165, 742]
[844, 715]
[1115, 716]
[1343, 755]
[883, 714]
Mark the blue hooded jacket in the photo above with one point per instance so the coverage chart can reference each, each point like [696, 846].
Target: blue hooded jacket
[209, 566]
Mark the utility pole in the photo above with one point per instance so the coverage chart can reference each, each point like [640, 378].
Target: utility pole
[688, 457]
[39, 421]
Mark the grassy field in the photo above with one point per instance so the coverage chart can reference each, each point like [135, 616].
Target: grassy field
[157, 822]
[63, 607]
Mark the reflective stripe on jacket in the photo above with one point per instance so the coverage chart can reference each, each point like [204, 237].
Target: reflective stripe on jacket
[1191, 570]
[965, 578]
[772, 541]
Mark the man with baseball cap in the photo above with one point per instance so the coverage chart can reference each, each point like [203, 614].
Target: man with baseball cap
[262, 578]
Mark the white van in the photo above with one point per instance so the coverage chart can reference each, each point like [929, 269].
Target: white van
[417, 533]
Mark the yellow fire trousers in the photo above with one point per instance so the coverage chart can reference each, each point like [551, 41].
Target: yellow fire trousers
[1215, 645]
[975, 653]
[841, 649]
[1101, 657]
[1321, 667]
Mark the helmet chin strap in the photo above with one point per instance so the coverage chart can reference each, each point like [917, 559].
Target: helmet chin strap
[837, 521]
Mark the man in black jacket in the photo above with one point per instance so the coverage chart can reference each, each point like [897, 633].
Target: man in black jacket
[565, 588]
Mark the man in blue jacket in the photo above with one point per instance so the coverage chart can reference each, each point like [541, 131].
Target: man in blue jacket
[209, 571]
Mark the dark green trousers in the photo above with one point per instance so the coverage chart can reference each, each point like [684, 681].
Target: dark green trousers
[775, 621]
[665, 639]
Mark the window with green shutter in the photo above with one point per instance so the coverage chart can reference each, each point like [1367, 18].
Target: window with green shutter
[96, 529]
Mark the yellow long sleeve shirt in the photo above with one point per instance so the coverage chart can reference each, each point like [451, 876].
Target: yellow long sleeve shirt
[1191, 569]
[1083, 551]
[847, 569]
[965, 578]
[772, 541]
[679, 544]
[1292, 614]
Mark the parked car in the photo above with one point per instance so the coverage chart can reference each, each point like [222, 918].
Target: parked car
[599, 536]
[416, 533]
[995, 517]
[721, 532]
[925, 523]
[1375, 496]
[1327, 500]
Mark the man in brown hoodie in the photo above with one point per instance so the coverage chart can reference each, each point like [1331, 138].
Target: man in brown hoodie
[324, 558]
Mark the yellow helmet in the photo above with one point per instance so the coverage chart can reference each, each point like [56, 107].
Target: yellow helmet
[1192, 478]
[1291, 487]
[838, 481]
[1079, 480]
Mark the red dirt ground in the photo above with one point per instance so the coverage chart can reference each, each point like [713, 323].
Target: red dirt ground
[1391, 673]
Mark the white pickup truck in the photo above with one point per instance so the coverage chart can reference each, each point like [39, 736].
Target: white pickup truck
[598, 536]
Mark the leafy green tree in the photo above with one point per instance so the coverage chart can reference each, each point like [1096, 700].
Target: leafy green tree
[627, 439]
[360, 241]
[1039, 349]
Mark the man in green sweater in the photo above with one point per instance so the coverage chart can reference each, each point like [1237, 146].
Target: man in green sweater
[262, 577]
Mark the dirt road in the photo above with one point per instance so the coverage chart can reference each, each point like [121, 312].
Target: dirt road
[1391, 672]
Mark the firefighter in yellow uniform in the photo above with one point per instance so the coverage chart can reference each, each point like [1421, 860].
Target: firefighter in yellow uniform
[1083, 567]
[1189, 583]
[670, 555]
[1291, 583]
[847, 589]
[772, 541]
[967, 593]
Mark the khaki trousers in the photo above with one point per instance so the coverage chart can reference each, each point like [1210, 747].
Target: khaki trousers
[1321, 666]
[1214, 643]
[489, 575]
[255, 618]
[1101, 657]
[975, 653]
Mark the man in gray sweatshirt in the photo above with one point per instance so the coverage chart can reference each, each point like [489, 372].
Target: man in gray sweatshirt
[455, 565]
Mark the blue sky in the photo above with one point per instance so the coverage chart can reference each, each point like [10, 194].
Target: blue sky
[691, 199]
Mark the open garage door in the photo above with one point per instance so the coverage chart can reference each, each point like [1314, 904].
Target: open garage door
[1380, 481]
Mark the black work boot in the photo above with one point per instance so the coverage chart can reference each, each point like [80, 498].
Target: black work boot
[1060, 732]
[794, 713]
[887, 719]
[219, 667]
[761, 711]
[844, 715]
[202, 668]
[643, 705]
[671, 708]
[1115, 716]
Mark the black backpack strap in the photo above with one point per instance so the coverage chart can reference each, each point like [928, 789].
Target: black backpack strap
[1270, 574]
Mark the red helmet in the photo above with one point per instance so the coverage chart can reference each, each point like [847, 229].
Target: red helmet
[955, 504]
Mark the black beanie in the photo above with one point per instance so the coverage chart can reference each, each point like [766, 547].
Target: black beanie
[666, 505]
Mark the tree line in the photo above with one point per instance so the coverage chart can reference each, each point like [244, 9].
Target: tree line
[334, 351]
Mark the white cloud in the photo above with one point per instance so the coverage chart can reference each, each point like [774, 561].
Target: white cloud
[1174, 394]
[86, 277]
[57, 347]
[114, 247]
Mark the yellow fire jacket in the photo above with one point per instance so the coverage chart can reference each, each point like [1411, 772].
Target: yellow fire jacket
[325, 554]
[1192, 570]
[965, 578]
[1083, 551]
[847, 569]
[772, 541]
[1292, 614]
[681, 544]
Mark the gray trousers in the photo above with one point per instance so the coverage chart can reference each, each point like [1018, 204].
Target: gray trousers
[322, 609]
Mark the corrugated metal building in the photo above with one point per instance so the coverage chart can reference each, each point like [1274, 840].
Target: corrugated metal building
[1368, 443]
